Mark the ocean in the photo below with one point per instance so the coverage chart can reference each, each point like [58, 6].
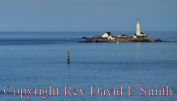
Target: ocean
[37, 60]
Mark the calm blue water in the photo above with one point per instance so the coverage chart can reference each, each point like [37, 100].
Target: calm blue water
[37, 60]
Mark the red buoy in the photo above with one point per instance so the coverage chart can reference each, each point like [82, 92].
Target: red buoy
[68, 52]
[68, 60]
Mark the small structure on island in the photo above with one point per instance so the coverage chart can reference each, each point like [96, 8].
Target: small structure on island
[106, 34]
[111, 38]
[137, 37]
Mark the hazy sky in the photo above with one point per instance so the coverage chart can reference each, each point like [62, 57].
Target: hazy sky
[87, 15]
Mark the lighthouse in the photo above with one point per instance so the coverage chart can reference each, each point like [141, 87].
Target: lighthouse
[138, 32]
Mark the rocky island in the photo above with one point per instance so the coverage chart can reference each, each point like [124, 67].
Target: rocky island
[107, 37]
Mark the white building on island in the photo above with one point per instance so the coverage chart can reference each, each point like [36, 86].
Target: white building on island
[105, 35]
[108, 36]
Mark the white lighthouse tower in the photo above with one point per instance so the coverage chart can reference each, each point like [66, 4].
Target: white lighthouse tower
[138, 32]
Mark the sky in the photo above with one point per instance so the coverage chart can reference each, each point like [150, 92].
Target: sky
[87, 15]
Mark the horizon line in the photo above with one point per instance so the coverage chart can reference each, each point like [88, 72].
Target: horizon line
[96, 31]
